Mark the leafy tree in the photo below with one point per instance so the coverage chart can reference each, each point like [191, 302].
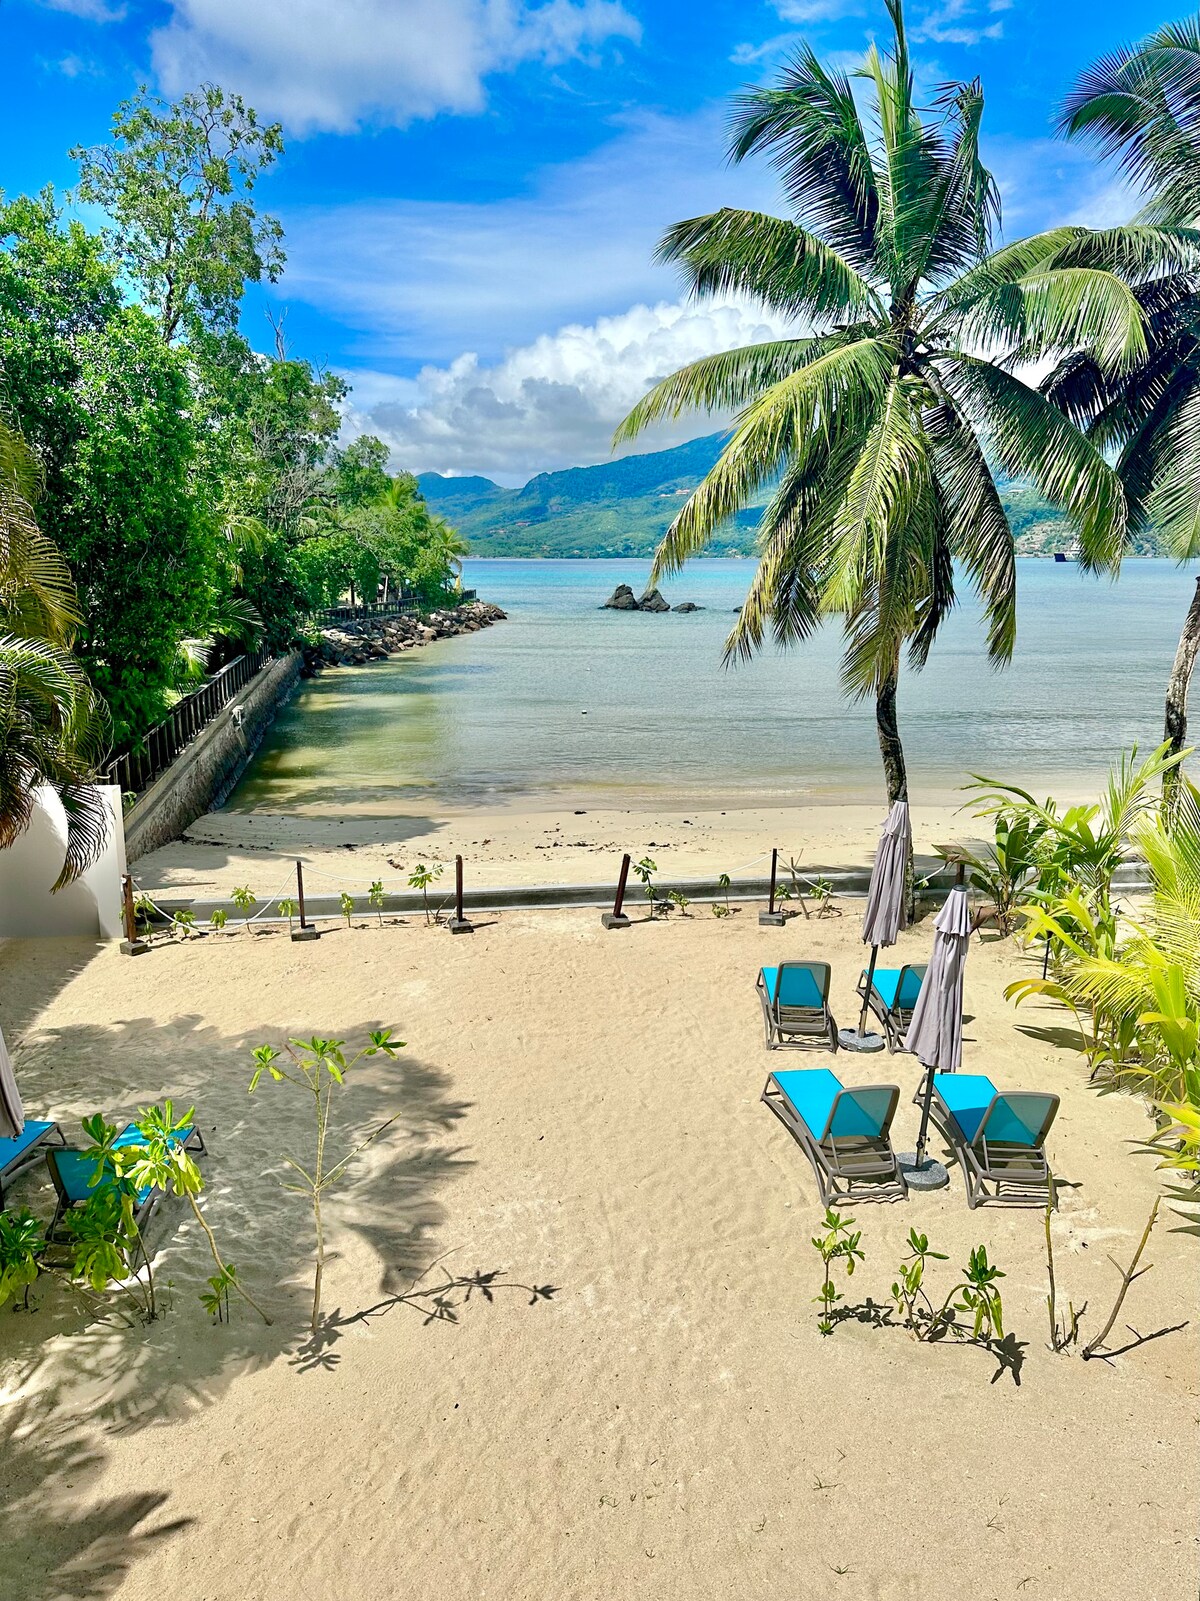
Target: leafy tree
[875, 435]
[105, 406]
[177, 181]
[1142, 107]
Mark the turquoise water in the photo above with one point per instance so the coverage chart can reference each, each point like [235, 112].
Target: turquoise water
[499, 714]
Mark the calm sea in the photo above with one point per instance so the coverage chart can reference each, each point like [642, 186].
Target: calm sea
[568, 698]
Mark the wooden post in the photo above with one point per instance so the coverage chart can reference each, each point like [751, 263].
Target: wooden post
[306, 929]
[616, 918]
[458, 924]
[131, 945]
[771, 918]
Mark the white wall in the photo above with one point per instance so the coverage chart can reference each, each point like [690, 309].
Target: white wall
[90, 907]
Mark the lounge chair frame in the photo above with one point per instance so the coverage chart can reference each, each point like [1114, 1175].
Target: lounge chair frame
[32, 1153]
[894, 1020]
[805, 1027]
[847, 1167]
[1000, 1170]
[143, 1214]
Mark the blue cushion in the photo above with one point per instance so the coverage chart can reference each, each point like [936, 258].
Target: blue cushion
[798, 987]
[885, 982]
[812, 1091]
[1019, 1120]
[12, 1150]
[966, 1096]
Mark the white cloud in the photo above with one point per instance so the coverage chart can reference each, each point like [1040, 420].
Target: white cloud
[90, 10]
[958, 22]
[551, 403]
[428, 279]
[333, 64]
[817, 10]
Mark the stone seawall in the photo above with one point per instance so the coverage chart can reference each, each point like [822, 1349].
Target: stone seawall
[377, 638]
[203, 774]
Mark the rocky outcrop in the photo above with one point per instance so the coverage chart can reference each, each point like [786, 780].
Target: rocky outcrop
[377, 638]
[622, 599]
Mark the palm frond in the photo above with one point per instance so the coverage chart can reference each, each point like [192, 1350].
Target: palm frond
[723, 382]
[769, 259]
[1173, 504]
[1033, 440]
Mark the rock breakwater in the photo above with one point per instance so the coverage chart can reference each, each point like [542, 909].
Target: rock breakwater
[352, 644]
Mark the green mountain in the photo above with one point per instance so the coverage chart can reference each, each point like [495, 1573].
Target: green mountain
[623, 508]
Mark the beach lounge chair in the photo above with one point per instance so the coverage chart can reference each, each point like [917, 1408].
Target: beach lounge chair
[893, 995]
[19, 1153]
[997, 1136]
[795, 1004]
[843, 1132]
[72, 1172]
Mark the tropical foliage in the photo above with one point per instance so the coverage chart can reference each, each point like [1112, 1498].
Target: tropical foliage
[1130, 974]
[877, 434]
[1141, 106]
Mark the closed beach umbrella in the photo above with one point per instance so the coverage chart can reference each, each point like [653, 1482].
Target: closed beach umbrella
[935, 1034]
[12, 1113]
[886, 912]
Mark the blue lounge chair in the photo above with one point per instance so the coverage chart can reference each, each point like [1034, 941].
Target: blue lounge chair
[843, 1132]
[72, 1172]
[795, 1004]
[998, 1137]
[893, 995]
[19, 1153]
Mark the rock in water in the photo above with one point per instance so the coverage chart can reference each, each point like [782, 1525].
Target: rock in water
[687, 605]
[652, 600]
[621, 599]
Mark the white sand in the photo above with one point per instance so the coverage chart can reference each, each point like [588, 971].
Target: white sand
[578, 1110]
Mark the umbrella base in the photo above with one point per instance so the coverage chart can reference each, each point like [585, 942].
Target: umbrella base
[930, 1175]
[850, 1039]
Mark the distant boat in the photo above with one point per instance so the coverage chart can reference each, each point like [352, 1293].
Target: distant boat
[1067, 555]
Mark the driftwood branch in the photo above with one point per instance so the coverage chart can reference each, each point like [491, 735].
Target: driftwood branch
[1092, 1348]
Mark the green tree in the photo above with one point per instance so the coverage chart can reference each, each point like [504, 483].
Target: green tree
[106, 407]
[177, 182]
[1141, 106]
[876, 434]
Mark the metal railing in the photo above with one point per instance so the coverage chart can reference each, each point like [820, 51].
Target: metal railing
[136, 768]
[405, 606]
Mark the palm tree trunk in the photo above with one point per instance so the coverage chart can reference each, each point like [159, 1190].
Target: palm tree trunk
[1175, 729]
[889, 739]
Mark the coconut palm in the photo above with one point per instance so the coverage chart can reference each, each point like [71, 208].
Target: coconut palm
[1142, 107]
[53, 729]
[874, 435]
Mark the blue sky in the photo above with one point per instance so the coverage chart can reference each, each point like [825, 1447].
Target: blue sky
[472, 189]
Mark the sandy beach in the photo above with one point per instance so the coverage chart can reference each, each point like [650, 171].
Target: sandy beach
[554, 841]
[640, 1404]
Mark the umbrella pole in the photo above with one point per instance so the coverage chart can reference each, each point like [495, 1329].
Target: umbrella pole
[926, 1103]
[866, 1005]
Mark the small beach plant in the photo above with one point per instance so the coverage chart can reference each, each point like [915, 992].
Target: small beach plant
[22, 1244]
[217, 919]
[679, 900]
[421, 878]
[976, 1296]
[376, 897]
[244, 900]
[1063, 1331]
[107, 1246]
[289, 908]
[143, 915]
[645, 870]
[723, 883]
[159, 1161]
[839, 1243]
[346, 902]
[318, 1067]
[183, 922]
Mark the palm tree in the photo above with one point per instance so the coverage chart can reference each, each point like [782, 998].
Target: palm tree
[875, 435]
[1142, 107]
[53, 728]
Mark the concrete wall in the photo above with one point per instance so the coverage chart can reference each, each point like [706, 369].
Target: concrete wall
[211, 764]
[90, 907]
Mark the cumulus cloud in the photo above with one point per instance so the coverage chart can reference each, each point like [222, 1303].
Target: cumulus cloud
[90, 10]
[333, 64]
[553, 402]
[961, 22]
